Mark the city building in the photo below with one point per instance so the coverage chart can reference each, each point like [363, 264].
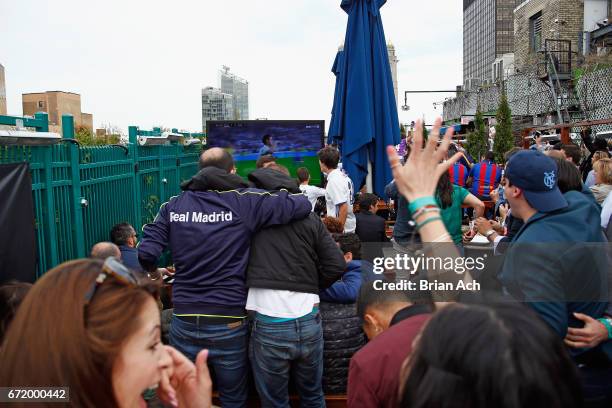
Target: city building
[216, 105]
[56, 104]
[393, 63]
[597, 27]
[553, 25]
[2, 92]
[488, 34]
[239, 89]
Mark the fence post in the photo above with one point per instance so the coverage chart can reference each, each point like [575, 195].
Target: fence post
[137, 202]
[76, 196]
[48, 180]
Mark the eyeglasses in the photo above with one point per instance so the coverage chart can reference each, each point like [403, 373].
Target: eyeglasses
[112, 267]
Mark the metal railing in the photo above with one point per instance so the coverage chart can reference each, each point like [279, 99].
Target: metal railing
[79, 193]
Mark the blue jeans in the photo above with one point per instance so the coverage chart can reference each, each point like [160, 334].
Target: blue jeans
[279, 349]
[227, 354]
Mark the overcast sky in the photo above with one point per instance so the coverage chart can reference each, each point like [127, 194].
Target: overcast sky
[138, 62]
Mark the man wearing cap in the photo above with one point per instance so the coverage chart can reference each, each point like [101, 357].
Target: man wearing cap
[554, 263]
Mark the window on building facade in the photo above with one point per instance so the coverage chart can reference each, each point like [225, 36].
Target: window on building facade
[41, 104]
[535, 31]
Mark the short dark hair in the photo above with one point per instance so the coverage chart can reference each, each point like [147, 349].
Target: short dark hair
[266, 139]
[369, 296]
[329, 156]
[120, 233]
[303, 174]
[349, 242]
[513, 360]
[572, 151]
[218, 158]
[12, 294]
[490, 155]
[263, 160]
[366, 200]
[568, 176]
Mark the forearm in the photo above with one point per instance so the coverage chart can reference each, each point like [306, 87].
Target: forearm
[342, 213]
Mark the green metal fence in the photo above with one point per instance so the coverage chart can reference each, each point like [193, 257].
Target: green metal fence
[79, 193]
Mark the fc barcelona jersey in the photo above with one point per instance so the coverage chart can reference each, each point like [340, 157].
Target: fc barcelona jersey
[458, 174]
[486, 176]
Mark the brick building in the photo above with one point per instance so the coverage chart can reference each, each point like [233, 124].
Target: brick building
[536, 21]
[56, 104]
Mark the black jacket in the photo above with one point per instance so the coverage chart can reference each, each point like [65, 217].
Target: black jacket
[370, 227]
[300, 256]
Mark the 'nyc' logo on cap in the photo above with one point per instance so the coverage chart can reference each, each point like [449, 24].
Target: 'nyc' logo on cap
[549, 179]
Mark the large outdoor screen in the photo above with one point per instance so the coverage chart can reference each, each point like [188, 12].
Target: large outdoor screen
[294, 142]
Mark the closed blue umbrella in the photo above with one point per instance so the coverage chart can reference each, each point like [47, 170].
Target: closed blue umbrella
[364, 116]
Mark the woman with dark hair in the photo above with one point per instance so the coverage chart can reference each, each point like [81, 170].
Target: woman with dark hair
[450, 198]
[568, 176]
[94, 327]
[502, 356]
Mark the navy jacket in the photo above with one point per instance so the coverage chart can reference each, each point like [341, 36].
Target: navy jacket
[209, 235]
[129, 257]
[557, 264]
[346, 289]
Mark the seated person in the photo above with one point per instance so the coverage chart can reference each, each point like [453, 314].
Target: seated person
[346, 289]
[370, 227]
[103, 250]
[124, 236]
[392, 319]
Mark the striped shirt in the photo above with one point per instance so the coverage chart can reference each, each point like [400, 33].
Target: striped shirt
[486, 176]
[458, 174]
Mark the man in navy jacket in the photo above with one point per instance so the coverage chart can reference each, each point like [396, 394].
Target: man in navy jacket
[208, 229]
[557, 262]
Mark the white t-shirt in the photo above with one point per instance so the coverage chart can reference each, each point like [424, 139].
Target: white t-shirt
[312, 192]
[339, 191]
[281, 303]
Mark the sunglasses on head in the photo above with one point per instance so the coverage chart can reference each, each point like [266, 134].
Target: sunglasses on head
[112, 267]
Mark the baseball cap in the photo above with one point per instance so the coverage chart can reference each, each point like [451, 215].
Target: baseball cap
[536, 174]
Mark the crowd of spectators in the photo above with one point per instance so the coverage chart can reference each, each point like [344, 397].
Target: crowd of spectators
[271, 298]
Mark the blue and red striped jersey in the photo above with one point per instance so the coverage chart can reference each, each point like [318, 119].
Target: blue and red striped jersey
[458, 174]
[486, 176]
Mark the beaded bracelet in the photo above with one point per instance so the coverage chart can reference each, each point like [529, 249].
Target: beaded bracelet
[427, 221]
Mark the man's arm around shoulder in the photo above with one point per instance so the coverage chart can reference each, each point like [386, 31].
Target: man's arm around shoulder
[263, 209]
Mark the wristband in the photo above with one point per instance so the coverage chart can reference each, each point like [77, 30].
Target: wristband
[428, 201]
[427, 221]
[424, 210]
[608, 325]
